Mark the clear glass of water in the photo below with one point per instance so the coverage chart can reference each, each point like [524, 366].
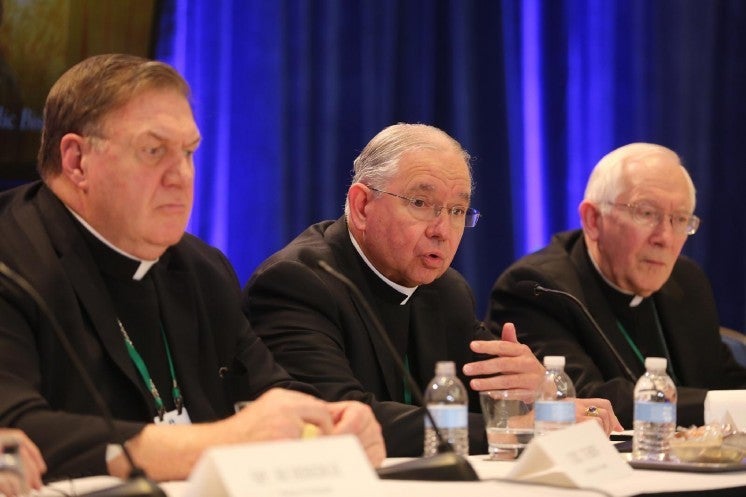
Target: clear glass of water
[508, 420]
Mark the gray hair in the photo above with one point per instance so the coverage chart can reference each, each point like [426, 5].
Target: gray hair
[378, 162]
[606, 181]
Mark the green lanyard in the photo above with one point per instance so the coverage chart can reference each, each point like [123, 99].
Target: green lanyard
[630, 342]
[145, 374]
[407, 391]
[661, 339]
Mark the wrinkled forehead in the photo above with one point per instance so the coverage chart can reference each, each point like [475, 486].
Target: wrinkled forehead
[430, 170]
[163, 111]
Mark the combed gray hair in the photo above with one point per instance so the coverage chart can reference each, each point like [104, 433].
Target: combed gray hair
[606, 181]
[378, 162]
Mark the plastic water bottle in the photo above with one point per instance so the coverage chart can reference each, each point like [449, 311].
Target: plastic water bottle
[555, 399]
[447, 400]
[655, 412]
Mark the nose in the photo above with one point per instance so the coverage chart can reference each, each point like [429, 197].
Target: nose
[663, 232]
[181, 169]
[439, 227]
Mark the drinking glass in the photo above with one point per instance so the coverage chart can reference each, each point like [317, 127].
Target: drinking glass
[508, 420]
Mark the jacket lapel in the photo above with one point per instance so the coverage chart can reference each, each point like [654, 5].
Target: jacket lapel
[348, 262]
[592, 296]
[90, 291]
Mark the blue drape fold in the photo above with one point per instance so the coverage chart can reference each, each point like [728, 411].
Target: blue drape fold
[287, 92]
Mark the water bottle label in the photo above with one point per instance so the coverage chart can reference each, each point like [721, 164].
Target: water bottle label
[655, 412]
[557, 412]
[447, 417]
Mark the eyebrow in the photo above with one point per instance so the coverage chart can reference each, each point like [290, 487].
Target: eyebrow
[659, 207]
[428, 188]
[162, 138]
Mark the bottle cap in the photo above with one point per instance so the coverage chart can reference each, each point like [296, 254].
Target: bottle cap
[656, 363]
[554, 361]
[445, 368]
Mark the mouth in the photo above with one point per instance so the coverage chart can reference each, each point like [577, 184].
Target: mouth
[654, 262]
[433, 260]
[173, 208]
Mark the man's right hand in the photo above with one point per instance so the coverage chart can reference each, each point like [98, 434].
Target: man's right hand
[280, 414]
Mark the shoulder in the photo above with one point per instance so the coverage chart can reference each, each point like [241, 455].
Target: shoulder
[688, 278]
[15, 200]
[200, 260]
[315, 243]
[558, 264]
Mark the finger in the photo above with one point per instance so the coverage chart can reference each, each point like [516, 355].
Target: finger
[604, 404]
[505, 366]
[499, 348]
[33, 465]
[505, 382]
[295, 408]
[358, 419]
[311, 411]
[600, 421]
[601, 415]
[508, 333]
[31, 470]
[351, 417]
[10, 484]
[35, 454]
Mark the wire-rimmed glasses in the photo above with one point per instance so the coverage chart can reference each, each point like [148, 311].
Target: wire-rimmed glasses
[646, 214]
[427, 211]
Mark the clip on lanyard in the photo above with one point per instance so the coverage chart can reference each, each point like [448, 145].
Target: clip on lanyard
[145, 374]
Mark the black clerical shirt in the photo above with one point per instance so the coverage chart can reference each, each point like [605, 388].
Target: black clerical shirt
[136, 305]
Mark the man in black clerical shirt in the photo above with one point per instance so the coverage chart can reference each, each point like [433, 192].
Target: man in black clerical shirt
[407, 208]
[153, 312]
[626, 267]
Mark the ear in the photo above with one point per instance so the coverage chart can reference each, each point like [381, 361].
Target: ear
[72, 147]
[358, 198]
[590, 218]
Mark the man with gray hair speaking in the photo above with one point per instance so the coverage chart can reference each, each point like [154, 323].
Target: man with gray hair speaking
[407, 208]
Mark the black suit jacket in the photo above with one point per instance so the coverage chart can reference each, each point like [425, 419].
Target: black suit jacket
[551, 325]
[217, 357]
[320, 334]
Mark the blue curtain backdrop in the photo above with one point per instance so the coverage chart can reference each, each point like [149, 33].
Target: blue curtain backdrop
[286, 93]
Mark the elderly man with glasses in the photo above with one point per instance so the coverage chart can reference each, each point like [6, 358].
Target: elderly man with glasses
[625, 267]
[406, 211]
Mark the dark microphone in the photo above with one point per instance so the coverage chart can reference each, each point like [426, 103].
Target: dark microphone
[536, 289]
[137, 484]
[446, 465]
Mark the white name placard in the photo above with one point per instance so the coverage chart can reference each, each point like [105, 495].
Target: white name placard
[325, 466]
[726, 406]
[578, 456]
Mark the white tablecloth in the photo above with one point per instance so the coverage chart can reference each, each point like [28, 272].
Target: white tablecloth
[490, 472]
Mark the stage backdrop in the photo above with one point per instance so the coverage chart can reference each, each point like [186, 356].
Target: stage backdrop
[286, 93]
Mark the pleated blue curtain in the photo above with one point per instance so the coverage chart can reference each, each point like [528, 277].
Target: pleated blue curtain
[287, 92]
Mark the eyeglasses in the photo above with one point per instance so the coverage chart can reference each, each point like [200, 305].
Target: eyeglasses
[648, 215]
[427, 211]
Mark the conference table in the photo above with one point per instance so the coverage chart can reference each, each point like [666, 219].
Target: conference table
[492, 484]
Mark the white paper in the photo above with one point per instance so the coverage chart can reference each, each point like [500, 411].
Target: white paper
[325, 466]
[579, 456]
[721, 403]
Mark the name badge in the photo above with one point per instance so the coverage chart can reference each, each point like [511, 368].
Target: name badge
[174, 418]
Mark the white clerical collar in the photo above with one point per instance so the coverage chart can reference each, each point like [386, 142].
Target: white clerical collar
[408, 291]
[144, 266]
[636, 299]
